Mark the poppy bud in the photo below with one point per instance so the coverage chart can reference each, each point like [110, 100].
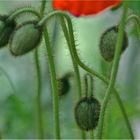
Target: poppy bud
[6, 29]
[25, 38]
[64, 84]
[108, 43]
[87, 113]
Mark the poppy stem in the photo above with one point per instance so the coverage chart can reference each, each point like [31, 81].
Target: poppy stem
[39, 88]
[136, 20]
[88, 81]
[14, 15]
[54, 85]
[76, 68]
[38, 97]
[133, 17]
[86, 68]
[101, 77]
[53, 76]
[18, 12]
[114, 70]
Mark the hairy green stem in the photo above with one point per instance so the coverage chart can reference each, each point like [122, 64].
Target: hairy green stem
[21, 11]
[114, 71]
[133, 17]
[136, 20]
[105, 80]
[76, 69]
[86, 68]
[54, 84]
[88, 85]
[38, 97]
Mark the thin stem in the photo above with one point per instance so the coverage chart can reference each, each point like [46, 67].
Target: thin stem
[86, 68]
[88, 85]
[38, 95]
[43, 5]
[124, 114]
[38, 98]
[114, 70]
[137, 22]
[133, 17]
[94, 73]
[76, 69]
[21, 11]
[54, 84]
[38, 71]
[90, 81]
[85, 86]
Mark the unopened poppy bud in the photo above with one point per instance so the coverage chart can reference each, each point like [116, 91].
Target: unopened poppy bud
[64, 84]
[6, 29]
[87, 113]
[25, 38]
[108, 43]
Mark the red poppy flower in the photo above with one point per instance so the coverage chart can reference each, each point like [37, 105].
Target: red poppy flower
[84, 7]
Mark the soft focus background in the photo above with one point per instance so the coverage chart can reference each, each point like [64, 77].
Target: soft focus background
[18, 78]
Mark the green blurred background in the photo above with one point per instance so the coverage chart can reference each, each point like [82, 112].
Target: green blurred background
[17, 99]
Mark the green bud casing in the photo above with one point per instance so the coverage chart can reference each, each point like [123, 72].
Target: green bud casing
[87, 113]
[63, 86]
[25, 38]
[108, 43]
[6, 29]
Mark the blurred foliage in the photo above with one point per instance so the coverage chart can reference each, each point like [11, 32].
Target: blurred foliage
[18, 108]
[134, 5]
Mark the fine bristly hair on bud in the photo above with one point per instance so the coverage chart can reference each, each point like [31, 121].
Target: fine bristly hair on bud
[6, 29]
[87, 113]
[25, 38]
[108, 43]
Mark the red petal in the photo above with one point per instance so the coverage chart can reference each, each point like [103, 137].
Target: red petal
[84, 7]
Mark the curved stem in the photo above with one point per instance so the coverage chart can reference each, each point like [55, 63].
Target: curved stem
[133, 17]
[114, 71]
[38, 98]
[76, 69]
[88, 85]
[21, 11]
[86, 68]
[105, 80]
[137, 22]
[54, 85]
[85, 86]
